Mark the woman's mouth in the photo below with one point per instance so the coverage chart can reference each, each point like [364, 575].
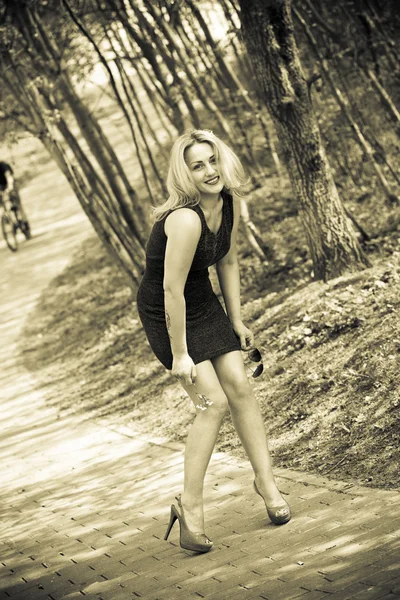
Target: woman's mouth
[212, 181]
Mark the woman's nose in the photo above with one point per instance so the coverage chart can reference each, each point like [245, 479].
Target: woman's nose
[210, 169]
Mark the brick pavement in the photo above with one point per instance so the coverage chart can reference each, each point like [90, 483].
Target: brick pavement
[84, 506]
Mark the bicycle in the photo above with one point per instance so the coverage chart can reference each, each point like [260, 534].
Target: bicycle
[13, 219]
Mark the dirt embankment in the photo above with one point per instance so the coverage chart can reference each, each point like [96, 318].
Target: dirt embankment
[330, 389]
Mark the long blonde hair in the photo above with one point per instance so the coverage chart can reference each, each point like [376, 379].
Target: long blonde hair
[182, 190]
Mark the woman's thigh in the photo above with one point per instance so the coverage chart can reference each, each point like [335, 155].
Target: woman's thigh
[232, 377]
[207, 388]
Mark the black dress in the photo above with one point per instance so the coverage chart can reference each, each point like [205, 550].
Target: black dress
[209, 332]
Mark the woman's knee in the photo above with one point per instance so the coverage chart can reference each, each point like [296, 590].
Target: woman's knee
[238, 391]
[215, 405]
[233, 379]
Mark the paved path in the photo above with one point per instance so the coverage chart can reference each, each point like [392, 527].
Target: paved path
[84, 505]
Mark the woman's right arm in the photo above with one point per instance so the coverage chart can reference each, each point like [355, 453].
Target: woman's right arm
[183, 230]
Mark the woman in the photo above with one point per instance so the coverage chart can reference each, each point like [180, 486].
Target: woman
[189, 331]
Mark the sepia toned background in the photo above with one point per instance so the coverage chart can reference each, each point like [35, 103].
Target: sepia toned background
[93, 95]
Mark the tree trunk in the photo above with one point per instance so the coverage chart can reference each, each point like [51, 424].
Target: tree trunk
[234, 38]
[46, 48]
[131, 96]
[379, 32]
[206, 100]
[154, 93]
[114, 35]
[107, 159]
[268, 35]
[347, 113]
[30, 82]
[126, 249]
[179, 86]
[250, 231]
[385, 96]
[120, 101]
[149, 54]
[233, 83]
[156, 100]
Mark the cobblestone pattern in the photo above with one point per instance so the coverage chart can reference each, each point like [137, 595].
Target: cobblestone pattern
[85, 507]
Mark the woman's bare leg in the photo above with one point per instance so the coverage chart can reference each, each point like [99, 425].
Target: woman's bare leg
[201, 440]
[248, 422]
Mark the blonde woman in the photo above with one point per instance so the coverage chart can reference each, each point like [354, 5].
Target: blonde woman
[190, 332]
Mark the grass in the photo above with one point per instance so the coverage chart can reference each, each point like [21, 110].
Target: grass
[329, 394]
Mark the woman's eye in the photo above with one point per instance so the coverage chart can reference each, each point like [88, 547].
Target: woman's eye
[213, 161]
[196, 167]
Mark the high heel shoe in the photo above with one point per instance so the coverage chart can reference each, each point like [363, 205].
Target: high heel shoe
[279, 515]
[196, 542]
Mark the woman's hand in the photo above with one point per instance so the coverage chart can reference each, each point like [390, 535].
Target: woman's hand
[184, 369]
[244, 334]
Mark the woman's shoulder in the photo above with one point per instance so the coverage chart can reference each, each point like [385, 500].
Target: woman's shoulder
[186, 217]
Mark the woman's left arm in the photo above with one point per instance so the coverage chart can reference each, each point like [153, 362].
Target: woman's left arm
[229, 281]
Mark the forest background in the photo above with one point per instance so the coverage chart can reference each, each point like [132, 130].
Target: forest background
[105, 87]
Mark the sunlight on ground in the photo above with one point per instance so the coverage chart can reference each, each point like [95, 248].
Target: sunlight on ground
[85, 503]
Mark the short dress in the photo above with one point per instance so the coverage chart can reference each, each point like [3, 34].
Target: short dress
[209, 332]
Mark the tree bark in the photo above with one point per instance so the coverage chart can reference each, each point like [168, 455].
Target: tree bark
[178, 86]
[347, 113]
[269, 38]
[52, 66]
[149, 54]
[111, 229]
[31, 68]
[156, 100]
[386, 98]
[120, 100]
[206, 100]
[250, 231]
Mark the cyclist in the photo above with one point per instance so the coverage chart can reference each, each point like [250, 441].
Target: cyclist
[7, 184]
[9, 192]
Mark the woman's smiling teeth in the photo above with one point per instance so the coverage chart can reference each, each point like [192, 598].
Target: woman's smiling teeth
[213, 180]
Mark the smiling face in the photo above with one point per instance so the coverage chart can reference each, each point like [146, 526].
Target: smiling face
[202, 163]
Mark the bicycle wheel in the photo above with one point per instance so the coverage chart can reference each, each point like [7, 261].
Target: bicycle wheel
[26, 229]
[22, 220]
[8, 229]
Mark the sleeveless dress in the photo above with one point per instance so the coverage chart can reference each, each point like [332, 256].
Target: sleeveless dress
[209, 332]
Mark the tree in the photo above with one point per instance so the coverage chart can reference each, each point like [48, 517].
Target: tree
[268, 35]
[359, 43]
[140, 51]
[39, 85]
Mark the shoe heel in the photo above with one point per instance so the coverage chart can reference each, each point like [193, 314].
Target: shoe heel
[172, 519]
[195, 542]
[278, 515]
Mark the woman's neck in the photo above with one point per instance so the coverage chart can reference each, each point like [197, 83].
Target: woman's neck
[209, 201]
